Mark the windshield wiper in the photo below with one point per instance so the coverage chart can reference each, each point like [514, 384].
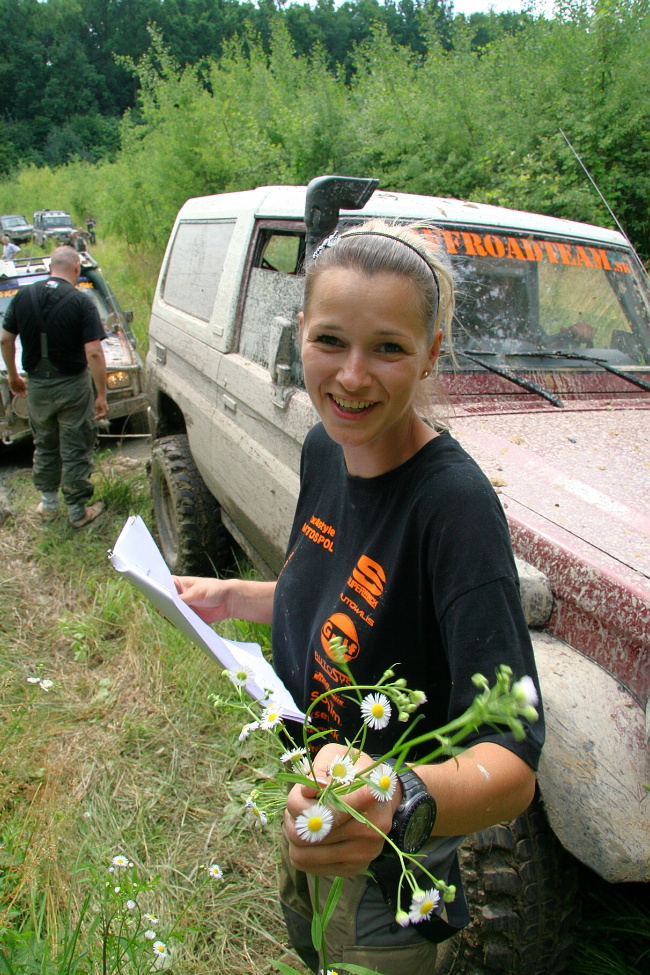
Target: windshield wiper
[585, 358]
[514, 377]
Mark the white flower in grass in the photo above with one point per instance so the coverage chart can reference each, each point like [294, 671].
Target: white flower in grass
[116, 890]
[241, 676]
[259, 814]
[150, 935]
[293, 755]
[314, 823]
[382, 782]
[301, 767]
[271, 716]
[46, 684]
[160, 948]
[131, 905]
[525, 692]
[161, 956]
[120, 861]
[33, 680]
[423, 904]
[376, 711]
[215, 871]
[342, 769]
[150, 918]
[246, 730]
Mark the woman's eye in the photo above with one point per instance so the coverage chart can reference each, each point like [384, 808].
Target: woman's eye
[390, 348]
[328, 340]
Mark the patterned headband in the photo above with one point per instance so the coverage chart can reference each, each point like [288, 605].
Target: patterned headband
[334, 238]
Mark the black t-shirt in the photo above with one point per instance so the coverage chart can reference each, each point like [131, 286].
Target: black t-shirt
[413, 568]
[68, 329]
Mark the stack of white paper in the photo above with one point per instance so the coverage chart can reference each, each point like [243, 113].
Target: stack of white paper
[138, 558]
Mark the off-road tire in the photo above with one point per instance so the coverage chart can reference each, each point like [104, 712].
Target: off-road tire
[522, 892]
[192, 538]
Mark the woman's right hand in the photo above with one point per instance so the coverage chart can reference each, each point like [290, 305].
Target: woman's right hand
[207, 597]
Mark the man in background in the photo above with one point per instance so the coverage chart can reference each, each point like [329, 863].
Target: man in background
[9, 249]
[61, 335]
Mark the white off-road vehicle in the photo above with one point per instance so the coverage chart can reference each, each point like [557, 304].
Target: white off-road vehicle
[552, 398]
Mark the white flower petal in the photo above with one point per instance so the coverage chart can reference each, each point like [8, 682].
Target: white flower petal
[423, 904]
[314, 823]
[376, 711]
[383, 781]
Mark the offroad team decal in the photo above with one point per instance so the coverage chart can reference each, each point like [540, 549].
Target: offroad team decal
[489, 245]
[360, 597]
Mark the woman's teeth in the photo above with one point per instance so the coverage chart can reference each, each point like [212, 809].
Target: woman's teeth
[351, 404]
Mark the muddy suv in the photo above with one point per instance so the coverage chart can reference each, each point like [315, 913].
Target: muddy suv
[52, 225]
[551, 395]
[126, 397]
[16, 228]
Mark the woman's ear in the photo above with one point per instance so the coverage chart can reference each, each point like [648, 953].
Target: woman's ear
[434, 351]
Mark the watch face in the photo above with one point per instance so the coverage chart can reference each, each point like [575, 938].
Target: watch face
[419, 826]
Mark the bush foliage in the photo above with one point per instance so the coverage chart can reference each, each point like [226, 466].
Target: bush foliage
[482, 123]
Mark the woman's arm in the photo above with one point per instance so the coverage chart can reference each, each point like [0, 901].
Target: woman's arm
[487, 784]
[220, 599]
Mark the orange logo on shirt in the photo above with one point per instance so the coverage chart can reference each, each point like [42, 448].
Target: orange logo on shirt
[340, 625]
[368, 580]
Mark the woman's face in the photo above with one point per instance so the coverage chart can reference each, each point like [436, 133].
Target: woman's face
[364, 352]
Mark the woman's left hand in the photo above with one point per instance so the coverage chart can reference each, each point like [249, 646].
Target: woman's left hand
[350, 846]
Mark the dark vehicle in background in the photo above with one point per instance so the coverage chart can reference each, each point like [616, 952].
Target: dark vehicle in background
[16, 228]
[52, 225]
[126, 398]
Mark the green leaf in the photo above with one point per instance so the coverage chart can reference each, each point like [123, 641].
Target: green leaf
[286, 969]
[332, 901]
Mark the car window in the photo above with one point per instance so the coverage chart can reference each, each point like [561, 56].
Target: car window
[274, 289]
[195, 265]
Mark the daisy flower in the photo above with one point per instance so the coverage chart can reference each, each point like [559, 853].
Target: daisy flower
[271, 716]
[342, 769]
[423, 904]
[301, 767]
[241, 676]
[259, 814]
[382, 782]
[376, 711]
[246, 730]
[120, 861]
[150, 935]
[525, 691]
[130, 905]
[293, 755]
[215, 871]
[314, 823]
[46, 684]
[33, 680]
[150, 918]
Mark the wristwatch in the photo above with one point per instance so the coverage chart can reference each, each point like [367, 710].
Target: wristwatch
[415, 816]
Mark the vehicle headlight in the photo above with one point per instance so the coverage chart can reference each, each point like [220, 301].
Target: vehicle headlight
[117, 380]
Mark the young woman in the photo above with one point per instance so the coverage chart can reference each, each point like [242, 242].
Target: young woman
[418, 572]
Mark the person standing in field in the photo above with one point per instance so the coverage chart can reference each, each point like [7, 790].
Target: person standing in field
[9, 249]
[61, 336]
[419, 572]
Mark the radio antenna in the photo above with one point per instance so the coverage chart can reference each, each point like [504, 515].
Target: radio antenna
[595, 186]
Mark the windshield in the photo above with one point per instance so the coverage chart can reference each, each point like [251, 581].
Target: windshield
[14, 222]
[62, 221]
[523, 295]
[9, 287]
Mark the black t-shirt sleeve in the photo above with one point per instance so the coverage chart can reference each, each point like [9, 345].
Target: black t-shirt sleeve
[92, 329]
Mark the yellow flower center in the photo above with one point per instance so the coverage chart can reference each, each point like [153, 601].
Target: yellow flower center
[384, 783]
[339, 770]
[426, 906]
[377, 710]
[315, 824]
[272, 716]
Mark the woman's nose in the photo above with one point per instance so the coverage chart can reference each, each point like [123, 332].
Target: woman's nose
[353, 373]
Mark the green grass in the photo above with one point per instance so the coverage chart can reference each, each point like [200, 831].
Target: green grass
[126, 754]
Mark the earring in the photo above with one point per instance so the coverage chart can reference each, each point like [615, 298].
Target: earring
[425, 373]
